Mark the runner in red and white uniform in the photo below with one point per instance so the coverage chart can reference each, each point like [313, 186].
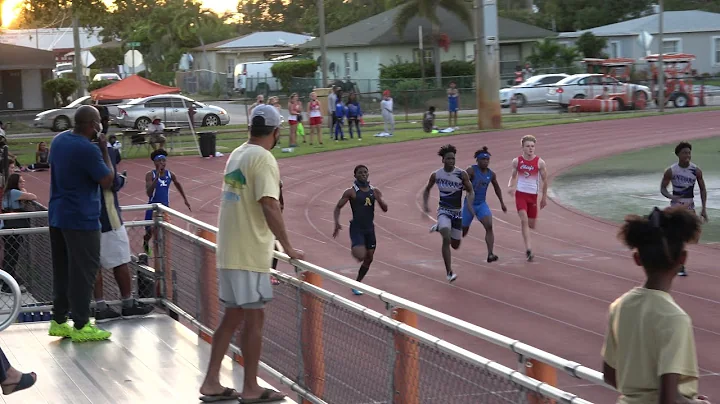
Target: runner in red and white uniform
[316, 118]
[524, 183]
[294, 108]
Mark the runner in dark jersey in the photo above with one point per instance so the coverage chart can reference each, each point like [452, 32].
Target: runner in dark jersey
[362, 197]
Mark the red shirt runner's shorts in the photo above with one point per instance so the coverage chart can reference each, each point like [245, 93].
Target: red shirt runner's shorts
[527, 186]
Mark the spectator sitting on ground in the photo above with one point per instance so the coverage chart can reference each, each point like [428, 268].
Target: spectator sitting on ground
[429, 120]
[41, 158]
[156, 130]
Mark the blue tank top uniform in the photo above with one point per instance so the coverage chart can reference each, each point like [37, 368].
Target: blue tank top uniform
[362, 225]
[480, 182]
[161, 193]
[453, 101]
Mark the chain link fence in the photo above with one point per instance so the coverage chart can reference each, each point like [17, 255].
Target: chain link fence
[337, 350]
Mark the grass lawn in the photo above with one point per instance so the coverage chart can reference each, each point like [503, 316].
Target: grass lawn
[231, 136]
[630, 183]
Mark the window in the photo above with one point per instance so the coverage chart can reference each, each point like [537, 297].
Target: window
[615, 49]
[715, 49]
[510, 59]
[672, 45]
[427, 56]
[231, 66]
[347, 65]
[356, 61]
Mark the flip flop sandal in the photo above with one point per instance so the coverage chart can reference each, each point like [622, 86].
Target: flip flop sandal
[227, 395]
[26, 380]
[265, 397]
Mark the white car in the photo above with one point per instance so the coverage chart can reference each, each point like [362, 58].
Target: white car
[107, 76]
[588, 85]
[532, 91]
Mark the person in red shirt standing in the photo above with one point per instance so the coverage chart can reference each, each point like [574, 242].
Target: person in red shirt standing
[524, 183]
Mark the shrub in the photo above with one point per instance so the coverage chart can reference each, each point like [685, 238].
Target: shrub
[61, 88]
[285, 71]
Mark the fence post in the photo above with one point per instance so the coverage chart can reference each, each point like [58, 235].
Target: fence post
[541, 372]
[209, 303]
[407, 362]
[312, 335]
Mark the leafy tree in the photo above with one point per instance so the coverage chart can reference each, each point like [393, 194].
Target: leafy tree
[107, 58]
[428, 9]
[591, 46]
[61, 89]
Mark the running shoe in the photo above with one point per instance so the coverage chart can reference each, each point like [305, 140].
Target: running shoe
[106, 314]
[529, 255]
[60, 329]
[138, 309]
[434, 228]
[451, 277]
[682, 271]
[492, 258]
[357, 292]
[89, 333]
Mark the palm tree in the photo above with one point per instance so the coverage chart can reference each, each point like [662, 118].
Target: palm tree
[428, 9]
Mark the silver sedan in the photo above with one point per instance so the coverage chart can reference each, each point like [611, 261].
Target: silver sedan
[172, 109]
[61, 119]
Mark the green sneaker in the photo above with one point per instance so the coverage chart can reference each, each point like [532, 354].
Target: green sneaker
[89, 333]
[60, 330]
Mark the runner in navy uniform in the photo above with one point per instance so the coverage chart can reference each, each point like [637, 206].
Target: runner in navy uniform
[362, 197]
[450, 181]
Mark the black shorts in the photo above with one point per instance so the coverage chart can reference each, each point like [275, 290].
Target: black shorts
[363, 237]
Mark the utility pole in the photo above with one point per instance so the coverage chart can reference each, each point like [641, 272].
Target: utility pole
[487, 73]
[77, 59]
[323, 47]
[661, 66]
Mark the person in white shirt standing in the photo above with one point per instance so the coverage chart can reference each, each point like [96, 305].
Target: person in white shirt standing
[249, 221]
[386, 105]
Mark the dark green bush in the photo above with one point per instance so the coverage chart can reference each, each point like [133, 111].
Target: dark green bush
[285, 71]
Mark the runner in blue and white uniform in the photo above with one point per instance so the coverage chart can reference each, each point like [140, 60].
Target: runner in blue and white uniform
[481, 177]
[683, 175]
[450, 181]
[157, 187]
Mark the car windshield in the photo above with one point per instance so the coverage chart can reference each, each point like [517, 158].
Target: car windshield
[80, 101]
[568, 80]
[531, 81]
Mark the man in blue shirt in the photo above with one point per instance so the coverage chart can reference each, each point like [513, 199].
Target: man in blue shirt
[80, 166]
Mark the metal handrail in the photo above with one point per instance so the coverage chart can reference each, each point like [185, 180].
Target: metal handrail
[523, 350]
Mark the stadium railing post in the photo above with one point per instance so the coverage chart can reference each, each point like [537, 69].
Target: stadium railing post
[407, 361]
[209, 303]
[541, 372]
[312, 337]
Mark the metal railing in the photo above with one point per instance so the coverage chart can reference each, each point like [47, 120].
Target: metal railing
[326, 348]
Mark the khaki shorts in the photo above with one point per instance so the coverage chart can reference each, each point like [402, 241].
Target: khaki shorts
[238, 288]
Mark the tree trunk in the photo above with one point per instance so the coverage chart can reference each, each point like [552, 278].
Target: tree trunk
[436, 56]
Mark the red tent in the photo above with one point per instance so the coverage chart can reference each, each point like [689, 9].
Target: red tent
[132, 87]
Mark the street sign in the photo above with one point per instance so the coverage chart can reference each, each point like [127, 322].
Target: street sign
[133, 44]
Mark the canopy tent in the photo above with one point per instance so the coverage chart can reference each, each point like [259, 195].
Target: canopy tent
[132, 87]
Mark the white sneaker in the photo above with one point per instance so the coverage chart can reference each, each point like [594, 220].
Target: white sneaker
[434, 228]
[451, 277]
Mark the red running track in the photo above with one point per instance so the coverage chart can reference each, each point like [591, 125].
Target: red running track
[557, 303]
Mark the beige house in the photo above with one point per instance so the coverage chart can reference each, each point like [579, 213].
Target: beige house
[356, 52]
[221, 57]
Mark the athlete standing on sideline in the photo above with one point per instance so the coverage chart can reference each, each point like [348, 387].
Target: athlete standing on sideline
[450, 181]
[157, 186]
[683, 176]
[528, 169]
[362, 197]
[481, 177]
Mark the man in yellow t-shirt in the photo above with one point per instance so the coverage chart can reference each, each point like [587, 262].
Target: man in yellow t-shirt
[249, 221]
